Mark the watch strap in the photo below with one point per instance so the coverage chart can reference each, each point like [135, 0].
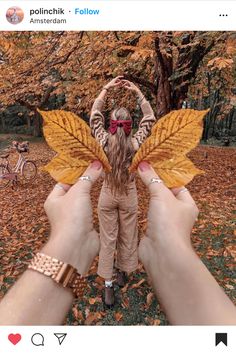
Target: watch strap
[62, 273]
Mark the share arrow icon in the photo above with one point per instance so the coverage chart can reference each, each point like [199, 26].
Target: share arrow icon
[60, 337]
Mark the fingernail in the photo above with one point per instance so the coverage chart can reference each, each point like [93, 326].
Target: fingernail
[96, 165]
[144, 166]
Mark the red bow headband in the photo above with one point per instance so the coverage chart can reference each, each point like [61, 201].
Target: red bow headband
[126, 124]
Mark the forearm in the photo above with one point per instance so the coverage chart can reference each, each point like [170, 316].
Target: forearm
[102, 94]
[146, 123]
[36, 299]
[97, 120]
[187, 291]
[140, 94]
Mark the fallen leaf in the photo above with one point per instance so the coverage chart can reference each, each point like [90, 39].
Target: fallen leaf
[124, 289]
[149, 299]
[77, 314]
[92, 317]
[137, 285]
[118, 316]
[125, 303]
[92, 301]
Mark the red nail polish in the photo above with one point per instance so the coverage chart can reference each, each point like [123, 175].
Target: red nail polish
[144, 166]
[96, 165]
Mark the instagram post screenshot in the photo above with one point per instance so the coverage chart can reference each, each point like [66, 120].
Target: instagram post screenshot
[117, 176]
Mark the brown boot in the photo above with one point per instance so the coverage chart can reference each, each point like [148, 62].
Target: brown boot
[121, 278]
[109, 297]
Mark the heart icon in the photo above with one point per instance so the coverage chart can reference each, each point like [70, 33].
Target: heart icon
[14, 338]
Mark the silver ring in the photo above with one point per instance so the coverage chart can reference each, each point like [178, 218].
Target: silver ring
[155, 180]
[85, 178]
[182, 190]
[59, 186]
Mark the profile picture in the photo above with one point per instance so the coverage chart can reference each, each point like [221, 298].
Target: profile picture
[15, 15]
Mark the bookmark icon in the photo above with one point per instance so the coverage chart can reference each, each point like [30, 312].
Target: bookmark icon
[221, 337]
[60, 337]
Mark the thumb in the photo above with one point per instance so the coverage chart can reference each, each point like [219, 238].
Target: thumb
[153, 181]
[85, 182]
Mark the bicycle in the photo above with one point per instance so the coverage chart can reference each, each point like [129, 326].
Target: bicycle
[24, 167]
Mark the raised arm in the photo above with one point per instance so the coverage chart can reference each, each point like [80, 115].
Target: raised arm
[97, 120]
[148, 119]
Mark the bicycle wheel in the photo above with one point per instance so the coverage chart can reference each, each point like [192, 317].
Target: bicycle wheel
[29, 171]
[4, 170]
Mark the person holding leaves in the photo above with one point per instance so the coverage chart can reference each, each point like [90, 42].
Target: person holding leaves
[118, 205]
[185, 288]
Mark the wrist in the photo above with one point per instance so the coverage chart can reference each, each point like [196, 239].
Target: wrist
[141, 96]
[139, 93]
[74, 252]
[170, 251]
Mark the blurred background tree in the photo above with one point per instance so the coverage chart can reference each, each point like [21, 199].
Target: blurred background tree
[66, 70]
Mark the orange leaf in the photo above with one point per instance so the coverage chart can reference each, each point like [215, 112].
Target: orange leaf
[92, 301]
[137, 285]
[92, 317]
[77, 314]
[118, 316]
[149, 298]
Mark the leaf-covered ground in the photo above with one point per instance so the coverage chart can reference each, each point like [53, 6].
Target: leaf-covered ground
[24, 229]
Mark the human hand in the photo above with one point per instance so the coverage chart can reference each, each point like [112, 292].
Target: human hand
[130, 86]
[171, 216]
[186, 290]
[69, 211]
[115, 82]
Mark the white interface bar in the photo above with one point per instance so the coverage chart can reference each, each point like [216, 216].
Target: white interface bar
[117, 15]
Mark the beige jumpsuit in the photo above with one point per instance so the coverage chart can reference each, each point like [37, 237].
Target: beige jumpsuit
[118, 213]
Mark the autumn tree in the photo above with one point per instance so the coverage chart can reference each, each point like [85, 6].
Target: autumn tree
[38, 67]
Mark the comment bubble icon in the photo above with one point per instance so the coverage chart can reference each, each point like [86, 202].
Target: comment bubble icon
[37, 339]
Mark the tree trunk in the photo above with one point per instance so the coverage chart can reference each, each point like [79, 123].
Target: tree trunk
[210, 119]
[164, 69]
[3, 123]
[231, 118]
[28, 122]
[189, 58]
[37, 123]
[173, 82]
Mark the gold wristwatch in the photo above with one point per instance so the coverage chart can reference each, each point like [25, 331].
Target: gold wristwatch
[62, 273]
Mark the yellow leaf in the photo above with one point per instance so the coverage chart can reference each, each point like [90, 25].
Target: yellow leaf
[65, 170]
[71, 138]
[176, 172]
[172, 137]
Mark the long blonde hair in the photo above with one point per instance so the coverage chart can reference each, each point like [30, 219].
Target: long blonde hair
[120, 152]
